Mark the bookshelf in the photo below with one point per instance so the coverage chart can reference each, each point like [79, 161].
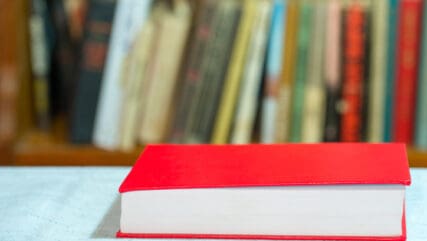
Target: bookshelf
[30, 146]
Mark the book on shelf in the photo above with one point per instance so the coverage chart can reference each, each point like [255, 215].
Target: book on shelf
[421, 114]
[236, 71]
[339, 191]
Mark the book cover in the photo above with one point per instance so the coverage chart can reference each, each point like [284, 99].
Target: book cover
[130, 16]
[164, 66]
[192, 73]
[421, 118]
[332, 69]
[354, 73]
[312, 126]
[218, 52]
[273, 71]
[378, 59]
[245, 166]
[228, 100]
[408, 42]
[244, 119]
[303, 41]
[91, 69]
[390, 69]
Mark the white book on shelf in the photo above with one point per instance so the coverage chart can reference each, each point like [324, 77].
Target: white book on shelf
[252, 76]
[129, 18]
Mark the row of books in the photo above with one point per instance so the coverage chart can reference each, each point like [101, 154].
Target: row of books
[238, 71]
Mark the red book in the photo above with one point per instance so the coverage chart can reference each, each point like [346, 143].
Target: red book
[347, 191]
[407, 69]
[354, 51]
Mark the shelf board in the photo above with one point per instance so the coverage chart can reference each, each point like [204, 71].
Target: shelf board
[43, 149]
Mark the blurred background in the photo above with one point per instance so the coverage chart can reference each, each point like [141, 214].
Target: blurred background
[90, 82]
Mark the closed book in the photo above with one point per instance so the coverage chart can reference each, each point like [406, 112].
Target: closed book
[172, 31]
[191, 76]
[130, 16]
[390, 69]
[377, 69]
[228, 100]
[40, 62]
[421, 121]
[244, 119]
[215, 64]
[303, 42]
[312, 126]
[273, 67]
[353, 73]
[94, 49]
[287, 75]
[409, 27]
[135, 85]
[332, 69]
[348, 191]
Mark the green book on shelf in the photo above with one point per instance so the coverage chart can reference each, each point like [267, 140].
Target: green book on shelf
[390, 69]
[303, 41]
[421, 119]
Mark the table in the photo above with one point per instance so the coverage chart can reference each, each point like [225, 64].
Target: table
[82, 203]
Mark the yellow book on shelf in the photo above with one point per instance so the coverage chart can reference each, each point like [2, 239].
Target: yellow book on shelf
[288, 72]
[232, 81]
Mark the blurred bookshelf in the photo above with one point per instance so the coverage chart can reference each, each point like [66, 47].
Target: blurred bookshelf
[91, 82]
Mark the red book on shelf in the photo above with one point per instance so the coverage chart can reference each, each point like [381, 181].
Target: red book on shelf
[407, 69]
[337, 191]
[354, 51]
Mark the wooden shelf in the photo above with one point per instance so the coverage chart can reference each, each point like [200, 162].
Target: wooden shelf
[42, 149]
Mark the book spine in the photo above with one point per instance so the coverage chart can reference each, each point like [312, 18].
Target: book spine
[94, 49]
[390, 69]
[421, 125]
[219, 55]
[352, 93]
[287, 75]
[232, 81]
[314, 99]
[377, 70]
[251, 79]
[407, 70]
[306, 12]
[273, 71]
[191, 78]
[174, 25]
[136, 85]
[332, 69]
[64, 61]
[130, 15]
[40, 61]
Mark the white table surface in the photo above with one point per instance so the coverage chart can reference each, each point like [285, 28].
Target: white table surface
[82, 203]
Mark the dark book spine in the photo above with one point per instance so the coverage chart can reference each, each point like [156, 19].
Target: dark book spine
[365, 80]
[191, 77]
[218, 54]
[93, 54]
[64, 58]
[40, 56]
[352, 92]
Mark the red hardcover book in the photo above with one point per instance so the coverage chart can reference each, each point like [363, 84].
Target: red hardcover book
[354, 51]
[337, 191]
[407, 69]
